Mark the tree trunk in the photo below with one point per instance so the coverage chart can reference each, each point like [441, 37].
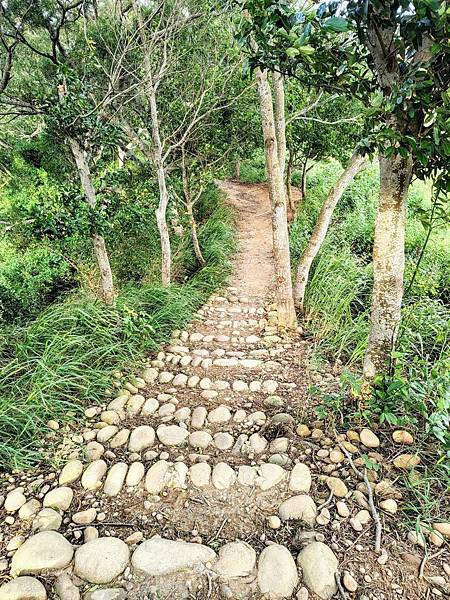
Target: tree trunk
[190, 208]
[355, 165]
[193, 224]
[98, 241]
[388, 263]
[290, 199]
[161, 211]
[120, 156]
[280, 120]
[283, 283]
[237, 171]
[303, 178]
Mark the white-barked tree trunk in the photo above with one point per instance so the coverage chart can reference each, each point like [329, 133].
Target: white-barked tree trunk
[355, 165]
[283, 283]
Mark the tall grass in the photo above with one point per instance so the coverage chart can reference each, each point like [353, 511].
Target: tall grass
[56, 365]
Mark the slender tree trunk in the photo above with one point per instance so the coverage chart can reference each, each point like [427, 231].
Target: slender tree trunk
[290, 199]
[237, 170]
[120, 156]
[190, 208]
[355, 165]
[283, 282]
[303, 178]
[195, 242]
[280, 120]
[388, 263]
[106, 278]
[161, 211]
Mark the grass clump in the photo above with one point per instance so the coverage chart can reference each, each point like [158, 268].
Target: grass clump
[54, 365]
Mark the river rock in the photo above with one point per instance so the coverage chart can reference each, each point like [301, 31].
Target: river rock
[60, 498]
[319, 566]
[65, 588]
[369, 439]
[198, 417]
[135, 474]
[107, 594]
[236, 559]
[300, 480]
[200, 439]
[141, 438]
[71, 472]
[45, 551]
[406, 461]
[200, 474]
[401, 436]
[14, 500]
[270, 475]
[277, 573]
[84, 517]
[172, 435]
[94, 451]
[300, 507]
[93, 475]
[101, 560]
[120, 439]
[223, 476]
[29, 509]
[115, 479]
[221, 414]
[47, 519]
[23, 588]
[337, 486]
[159, 556]
[155, 478]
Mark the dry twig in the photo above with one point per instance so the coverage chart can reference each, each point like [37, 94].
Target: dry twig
[363, 476]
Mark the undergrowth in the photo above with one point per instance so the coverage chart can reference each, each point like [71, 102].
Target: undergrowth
[54, 365]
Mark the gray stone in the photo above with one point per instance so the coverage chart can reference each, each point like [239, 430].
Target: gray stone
[172, 435]
[300, 507]
[155, 478]
[200, 474]
[300, 480]
[141, 438]
[115, 479]
[93, 475]
[71, 472]
[29, 509]
[159, 556]
[236, 559]
[47, 519]
[319, 566]
[198, 417]
[60, 498]
[277, 573]
[23, 588]
[45, 551]
[101, 560]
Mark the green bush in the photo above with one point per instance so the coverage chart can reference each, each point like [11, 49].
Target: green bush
[338, 298]
[54, 366]
[30, 280]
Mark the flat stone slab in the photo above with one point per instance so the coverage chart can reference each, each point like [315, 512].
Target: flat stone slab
[159, 556]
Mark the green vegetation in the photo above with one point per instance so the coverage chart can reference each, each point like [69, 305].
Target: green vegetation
[53, 365]
[338, 301]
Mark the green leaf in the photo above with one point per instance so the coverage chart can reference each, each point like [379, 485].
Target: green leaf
[337, 24]
[292, 52]
[306, 50]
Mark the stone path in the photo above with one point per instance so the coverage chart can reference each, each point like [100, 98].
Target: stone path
[199, 478]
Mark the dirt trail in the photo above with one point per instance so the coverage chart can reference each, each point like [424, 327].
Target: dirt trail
[211, 444]
[253, 265]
